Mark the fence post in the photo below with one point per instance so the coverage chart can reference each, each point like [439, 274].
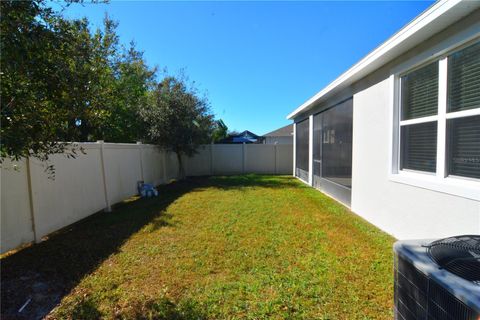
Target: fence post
[140, 150]
[108, 208]
[164, 166]
[310, 150]
[294, 153]
[30, 200]
[212, 163]
[275, 155]
[244, 157]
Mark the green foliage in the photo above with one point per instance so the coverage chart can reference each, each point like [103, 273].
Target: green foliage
[177, 119]
[220, 131]
[63, 82]
[31, 44]
[134, 82]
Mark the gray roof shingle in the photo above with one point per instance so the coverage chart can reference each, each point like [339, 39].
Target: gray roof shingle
[286, 131]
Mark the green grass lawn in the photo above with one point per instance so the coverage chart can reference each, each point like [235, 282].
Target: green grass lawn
[242, 247]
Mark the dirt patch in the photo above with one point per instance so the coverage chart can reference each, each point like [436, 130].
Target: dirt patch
[31, 296]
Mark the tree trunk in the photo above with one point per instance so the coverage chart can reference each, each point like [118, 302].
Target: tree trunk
[181, 170]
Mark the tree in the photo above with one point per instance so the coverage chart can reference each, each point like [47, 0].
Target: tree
[62, 82]
[54, 79]
[220, 131]
[134, 81]
[177, 119]
[31, 46]
[233, 133]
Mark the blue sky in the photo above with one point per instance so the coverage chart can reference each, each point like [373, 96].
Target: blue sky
[257, 61]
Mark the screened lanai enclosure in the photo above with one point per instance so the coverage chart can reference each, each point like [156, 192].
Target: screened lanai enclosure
[301, 155]
[331, 151]
[396, 137]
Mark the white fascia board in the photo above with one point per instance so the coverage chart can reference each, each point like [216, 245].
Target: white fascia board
[431, 21]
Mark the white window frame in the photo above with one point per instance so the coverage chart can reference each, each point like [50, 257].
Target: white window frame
[439, 181]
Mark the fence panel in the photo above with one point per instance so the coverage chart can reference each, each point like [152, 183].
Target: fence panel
[260, 158]
[171, 167]
[227, 159]
[152, 164]
[122, 170]
[76, 192]
[284, 158]
[201, 163]
[15, 223]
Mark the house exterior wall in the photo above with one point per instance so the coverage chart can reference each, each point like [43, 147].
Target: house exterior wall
[402, 209]
[278, 140]
[405, 211]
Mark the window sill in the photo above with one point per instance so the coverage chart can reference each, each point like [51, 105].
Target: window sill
[460, 187]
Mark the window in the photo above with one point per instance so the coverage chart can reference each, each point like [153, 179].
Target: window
[418, 132]
[419, 146]
[440, 116]
[464, 79]
[464, 146]
[463, 113]
[420, 92]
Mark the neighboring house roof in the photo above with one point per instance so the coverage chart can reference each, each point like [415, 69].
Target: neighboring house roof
[286, 131]
[431, 21]
[248, 134]
[243, 137]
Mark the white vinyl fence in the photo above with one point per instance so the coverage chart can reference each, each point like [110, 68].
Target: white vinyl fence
[34, 205]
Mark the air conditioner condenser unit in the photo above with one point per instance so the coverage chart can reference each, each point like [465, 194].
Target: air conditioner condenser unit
[438, 280]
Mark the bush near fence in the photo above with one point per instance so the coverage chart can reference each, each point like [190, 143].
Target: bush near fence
[34, 205]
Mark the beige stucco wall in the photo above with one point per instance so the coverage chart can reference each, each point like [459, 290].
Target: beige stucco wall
[405, 211]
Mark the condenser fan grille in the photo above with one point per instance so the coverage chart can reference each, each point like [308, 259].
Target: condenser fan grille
[460, 255]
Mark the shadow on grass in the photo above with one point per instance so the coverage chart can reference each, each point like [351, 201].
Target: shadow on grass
[45, 272]
[161, 309]
[254, 180]
[164, 309]
[86, 309]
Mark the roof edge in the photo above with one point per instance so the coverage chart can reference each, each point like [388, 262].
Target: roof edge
[420, 23]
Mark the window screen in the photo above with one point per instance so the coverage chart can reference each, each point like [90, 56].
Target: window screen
[464, 79]
[419, 146]
[336, 142]
[420, 92]
[317, 145]
[301, 141]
